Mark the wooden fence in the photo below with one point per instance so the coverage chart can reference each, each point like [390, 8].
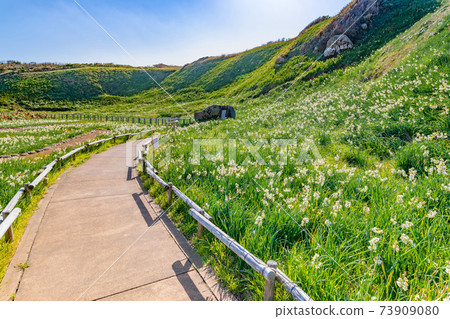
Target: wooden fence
[10, 212]
[115, 118]
[269, 271]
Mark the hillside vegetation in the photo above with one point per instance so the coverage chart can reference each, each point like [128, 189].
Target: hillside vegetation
[78, 84]
[360, 210]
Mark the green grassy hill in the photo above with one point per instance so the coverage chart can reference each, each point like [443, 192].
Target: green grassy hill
[79, 84]
[228, 78]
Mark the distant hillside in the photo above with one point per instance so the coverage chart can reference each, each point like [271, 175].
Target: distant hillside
[80, 83]
[212, 74]
[245, 75]
[15, 67]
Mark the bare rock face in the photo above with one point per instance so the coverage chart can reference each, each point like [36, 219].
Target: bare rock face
[337, 44]
[347, 22]
[214, 112]
[279, 61]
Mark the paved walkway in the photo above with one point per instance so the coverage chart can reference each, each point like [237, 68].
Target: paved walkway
[94, 238]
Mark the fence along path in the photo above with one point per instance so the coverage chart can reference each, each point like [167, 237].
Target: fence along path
[99, 239]
[113, 118]
[268, 270]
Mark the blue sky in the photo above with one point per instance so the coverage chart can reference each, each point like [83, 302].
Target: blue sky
[152, 31]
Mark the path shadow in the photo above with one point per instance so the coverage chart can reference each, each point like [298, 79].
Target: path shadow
[185, 280]
[179, 238]
[130, 174]
[182, 242]
[144, 211]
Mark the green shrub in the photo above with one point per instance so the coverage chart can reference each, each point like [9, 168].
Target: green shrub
[357, 157]
[418, 155]
[324, 138]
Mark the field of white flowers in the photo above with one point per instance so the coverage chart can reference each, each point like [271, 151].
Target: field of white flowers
[364, 213]
[36, 137]
[27, 122]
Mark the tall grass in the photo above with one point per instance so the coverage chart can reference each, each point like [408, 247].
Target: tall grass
[367, 221]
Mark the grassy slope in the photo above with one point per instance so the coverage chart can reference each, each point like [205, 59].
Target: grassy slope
[80, 84]
[377, 177]
[190, 73]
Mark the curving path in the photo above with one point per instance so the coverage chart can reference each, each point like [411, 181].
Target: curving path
[96, 236]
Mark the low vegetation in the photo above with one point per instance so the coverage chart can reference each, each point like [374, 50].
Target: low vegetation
[39, 137]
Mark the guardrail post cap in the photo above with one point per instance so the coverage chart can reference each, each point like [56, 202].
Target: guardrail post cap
[271, 275]
[272, 264]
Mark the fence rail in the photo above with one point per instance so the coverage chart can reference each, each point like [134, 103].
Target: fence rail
[10, 213]
[115, 118]
[6, 226]
[269, 271]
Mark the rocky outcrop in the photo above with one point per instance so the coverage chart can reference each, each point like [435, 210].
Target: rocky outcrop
[280, 61]
[337, 44]
[214, 112]
[351, 21]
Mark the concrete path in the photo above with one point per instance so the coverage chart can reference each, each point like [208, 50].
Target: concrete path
[94, 238]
